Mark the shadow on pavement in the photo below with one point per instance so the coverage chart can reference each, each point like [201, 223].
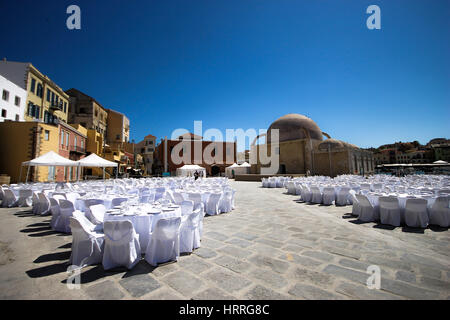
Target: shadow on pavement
[57, 256]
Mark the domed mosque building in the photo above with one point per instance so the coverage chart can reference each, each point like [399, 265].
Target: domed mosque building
[304, 148]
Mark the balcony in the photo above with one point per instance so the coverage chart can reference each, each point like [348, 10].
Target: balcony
[56, 106]
[77, 149]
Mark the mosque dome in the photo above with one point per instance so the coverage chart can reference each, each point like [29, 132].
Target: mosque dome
[295, 126]
[333, 144]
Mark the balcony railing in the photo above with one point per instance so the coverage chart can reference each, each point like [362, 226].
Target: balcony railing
[77, 149]
[56, 105]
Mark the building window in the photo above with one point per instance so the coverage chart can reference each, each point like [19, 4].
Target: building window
[75, 141]
[65, 107]
[33, 85]
[3, 113]
[17, 117]
[47, 135]
[39, 90]
[31, 109]
[67, 139]
[5, 95]
[118, 137]
[82, 144]
[17, 101]
[48, 95]
[51, 173]
[62, 137]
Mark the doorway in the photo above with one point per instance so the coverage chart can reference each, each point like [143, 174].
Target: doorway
[215, 170]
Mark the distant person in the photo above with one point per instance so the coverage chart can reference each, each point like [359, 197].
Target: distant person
[308, 173]
[196, 175]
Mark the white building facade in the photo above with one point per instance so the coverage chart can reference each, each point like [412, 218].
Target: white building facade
[12, 101]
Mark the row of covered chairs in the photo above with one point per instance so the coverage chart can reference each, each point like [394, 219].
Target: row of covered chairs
[415, 214]
[313, 194]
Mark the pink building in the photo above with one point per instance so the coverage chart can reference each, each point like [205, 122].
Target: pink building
[72, 145]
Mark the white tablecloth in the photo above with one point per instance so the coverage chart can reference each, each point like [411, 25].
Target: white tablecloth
[142, 222]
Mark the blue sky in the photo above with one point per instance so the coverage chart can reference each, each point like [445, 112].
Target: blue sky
[244, 63]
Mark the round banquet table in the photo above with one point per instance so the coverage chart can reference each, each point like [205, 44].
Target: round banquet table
[143, 222]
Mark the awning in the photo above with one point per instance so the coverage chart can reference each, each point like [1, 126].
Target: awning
[94, 160]
[51, 158]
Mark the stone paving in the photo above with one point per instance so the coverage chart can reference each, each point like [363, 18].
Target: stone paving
[270, 247]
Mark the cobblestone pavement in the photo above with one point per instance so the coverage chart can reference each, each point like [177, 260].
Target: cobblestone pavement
[269, 247]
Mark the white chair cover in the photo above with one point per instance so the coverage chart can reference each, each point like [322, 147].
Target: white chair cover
[87, 246]
[187, 207]
[225, 202]
[25, 198]
[440, 212]
[390, 211]
[178, 198]
[342, 196]
[212, 206]
[9, 199]
[122, 246]
[416, 214]
[97, 213]
[306, 194]
[290, 187]
[44, 204]
[366, 211]
[117, 201]
[190, 232]
[316, 194]
[356, 208]
[164, 244]
[66, 209]
[329, 196]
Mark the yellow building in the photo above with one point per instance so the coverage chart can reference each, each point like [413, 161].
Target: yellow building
[87, 111]
[46, 101]
[117, 147]
[30, 140]
[146, 148]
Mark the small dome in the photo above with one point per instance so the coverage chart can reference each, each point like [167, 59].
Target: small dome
[332, 144]
[349, 145]
[293, 126]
